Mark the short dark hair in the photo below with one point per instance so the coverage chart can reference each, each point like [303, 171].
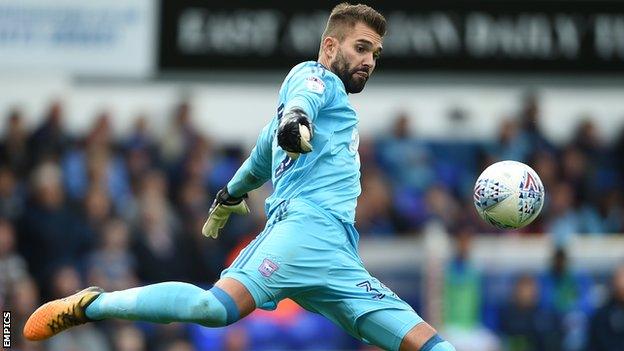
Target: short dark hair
[345, 15]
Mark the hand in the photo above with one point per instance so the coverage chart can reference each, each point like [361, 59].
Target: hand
[223, 205]
[294, 133]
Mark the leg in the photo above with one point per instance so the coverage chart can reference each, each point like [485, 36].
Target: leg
[290, 255]
[402, 330]
[424, 338]
[262, 275]
[369, 310]
[223, 304]
[240, 295]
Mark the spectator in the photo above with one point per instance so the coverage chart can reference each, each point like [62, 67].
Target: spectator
[93, 214]
[459, 125]
[12, 195]
[25, 298]
[524, 325]
[206, 257]
[66, 281]
[563, 222]
[611, 211]
[545, 165]
[49, 227]
[406, 160]
[97, 208]
[441, 206]
[225, 165]
[12, 265]
[112, 266]
[14, 146]
[568, 293]
[173, 336]
[192, 201]
[96, 165]
[618, 161]
[140, 152]
[375, 207]
[179, 345]
[588, 140]
[50, 140]
[128, 338]
[179, 138]
[141, 136]
[575, 170]
[462, 286]
[158, 247]
[512, 143]
[153, 187]
[462, 299]
[530, 127]
[606, 332]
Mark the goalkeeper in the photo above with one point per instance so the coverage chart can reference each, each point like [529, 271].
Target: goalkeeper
[308, 249]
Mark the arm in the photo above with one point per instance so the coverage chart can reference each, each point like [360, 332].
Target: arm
[305, 96]
[308, 91]
[254, 172]
[295, 132]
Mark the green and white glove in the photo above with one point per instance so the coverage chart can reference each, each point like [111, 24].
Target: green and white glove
[222, 207]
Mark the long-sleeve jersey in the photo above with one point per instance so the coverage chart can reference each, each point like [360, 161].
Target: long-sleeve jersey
[329, 176]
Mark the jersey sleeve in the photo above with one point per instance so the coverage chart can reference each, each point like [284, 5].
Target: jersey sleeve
[256, 170]
[310, 88]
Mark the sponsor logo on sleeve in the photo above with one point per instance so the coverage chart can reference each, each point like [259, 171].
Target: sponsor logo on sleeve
[315, 84]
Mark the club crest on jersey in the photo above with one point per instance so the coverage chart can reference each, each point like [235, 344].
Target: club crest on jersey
[315, 85]
[267, 267]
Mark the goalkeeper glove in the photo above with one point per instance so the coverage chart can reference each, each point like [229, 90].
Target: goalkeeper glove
[223, 205]
[294, 133]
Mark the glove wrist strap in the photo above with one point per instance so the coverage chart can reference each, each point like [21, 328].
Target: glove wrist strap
[224, 197]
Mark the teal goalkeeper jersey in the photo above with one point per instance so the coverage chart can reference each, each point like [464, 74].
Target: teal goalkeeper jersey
[329, 176]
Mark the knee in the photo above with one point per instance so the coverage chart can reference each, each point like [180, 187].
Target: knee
[214, 308]
[206, 310]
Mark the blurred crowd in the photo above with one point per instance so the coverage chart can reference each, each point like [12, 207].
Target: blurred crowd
[97, 209]
[560, 308]
[415, 181]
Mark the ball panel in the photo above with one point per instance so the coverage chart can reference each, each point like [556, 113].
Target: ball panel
[489, 192]
[530, 197]
[504, 213]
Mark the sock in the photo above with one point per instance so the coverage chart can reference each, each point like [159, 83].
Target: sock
[436, 343]
[165, 303]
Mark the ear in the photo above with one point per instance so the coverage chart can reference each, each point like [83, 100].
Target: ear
[330, 47]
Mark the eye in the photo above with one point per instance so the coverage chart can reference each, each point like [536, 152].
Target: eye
[360, 48]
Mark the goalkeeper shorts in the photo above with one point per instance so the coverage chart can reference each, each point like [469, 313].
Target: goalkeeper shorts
[309, 256]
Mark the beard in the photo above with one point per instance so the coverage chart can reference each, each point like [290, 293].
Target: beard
[354, 83]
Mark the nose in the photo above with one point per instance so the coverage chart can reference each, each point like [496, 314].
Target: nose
[369, 62]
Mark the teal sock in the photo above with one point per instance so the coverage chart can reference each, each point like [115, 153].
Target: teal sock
[443, 346]
[436, 343]
[165, 303]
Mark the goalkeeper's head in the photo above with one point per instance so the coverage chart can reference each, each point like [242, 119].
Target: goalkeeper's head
[352, 43]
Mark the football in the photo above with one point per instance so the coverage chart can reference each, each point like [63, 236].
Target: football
[509, 195]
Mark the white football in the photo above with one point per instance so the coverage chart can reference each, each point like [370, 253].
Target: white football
[509, 195]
